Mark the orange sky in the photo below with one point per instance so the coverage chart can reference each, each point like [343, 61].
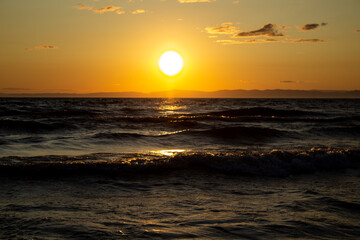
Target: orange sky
[114, 46]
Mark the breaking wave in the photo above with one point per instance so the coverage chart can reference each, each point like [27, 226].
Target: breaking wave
[221, 132]
[276, 163]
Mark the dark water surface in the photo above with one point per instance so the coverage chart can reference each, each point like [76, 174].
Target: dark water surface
[179, 168]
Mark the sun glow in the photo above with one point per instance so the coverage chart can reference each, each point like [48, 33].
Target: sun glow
[171, 63]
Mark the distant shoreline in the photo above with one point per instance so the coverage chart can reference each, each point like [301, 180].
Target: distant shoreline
[199, 94]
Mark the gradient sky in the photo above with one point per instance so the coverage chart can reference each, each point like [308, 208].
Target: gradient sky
[114, 45]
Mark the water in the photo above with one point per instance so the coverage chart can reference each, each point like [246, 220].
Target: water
[179, 168]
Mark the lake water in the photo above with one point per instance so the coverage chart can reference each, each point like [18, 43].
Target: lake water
[179, 168]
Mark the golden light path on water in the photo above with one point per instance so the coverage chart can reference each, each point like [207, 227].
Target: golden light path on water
[170, 152]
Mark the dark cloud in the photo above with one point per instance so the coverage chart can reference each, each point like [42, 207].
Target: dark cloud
[357, 30]
[287, 81]
[312, 26]
[308, 40]
[267, 30]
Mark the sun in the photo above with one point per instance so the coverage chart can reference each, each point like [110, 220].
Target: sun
[171, 63]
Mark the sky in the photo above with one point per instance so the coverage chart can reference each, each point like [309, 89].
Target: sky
[84, 46]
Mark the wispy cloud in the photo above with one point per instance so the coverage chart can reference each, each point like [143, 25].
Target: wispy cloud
[269, 40]
[46, 47]
[138, 11]
[106, 9]
[100, 10]
[51, 47]
[195, 1]
[83, 7]
[312, 26]
[269, 30]
[287, 81]
[307, 40]
[15, 89]
[269, 33]
[248, 41]
[225, 28]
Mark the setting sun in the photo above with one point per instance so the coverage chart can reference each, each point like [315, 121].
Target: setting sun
[171, 63]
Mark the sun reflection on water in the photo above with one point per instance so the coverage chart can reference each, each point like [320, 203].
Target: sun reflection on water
[169, 152]
[171, 106]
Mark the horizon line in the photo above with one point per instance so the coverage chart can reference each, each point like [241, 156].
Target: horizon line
[238, 93]
[182, 90]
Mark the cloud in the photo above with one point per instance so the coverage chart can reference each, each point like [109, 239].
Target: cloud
[312, 26]
[271, 40]
[195, 1]
[45, 47]
[50, 47]
[287, 81]
[106, 9]
[248, 41]
[229, 41]
[357, 30]
[138, 11]
[269, 33]
[267, 30]
[83, 7]
[15, 89]
[225, 28]
[307, 40]
[100, 10]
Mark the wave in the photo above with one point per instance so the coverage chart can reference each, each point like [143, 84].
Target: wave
[69, 113]
[238, 132]
[179, 121]
[337, 130]
[36, 112]
[315, 119]
[338, 205]
[117, 136]
[261, 111]
[133, 110]
[4, 111]
[241, 115]
[276, 163]
[19, 126]
[223, 133]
